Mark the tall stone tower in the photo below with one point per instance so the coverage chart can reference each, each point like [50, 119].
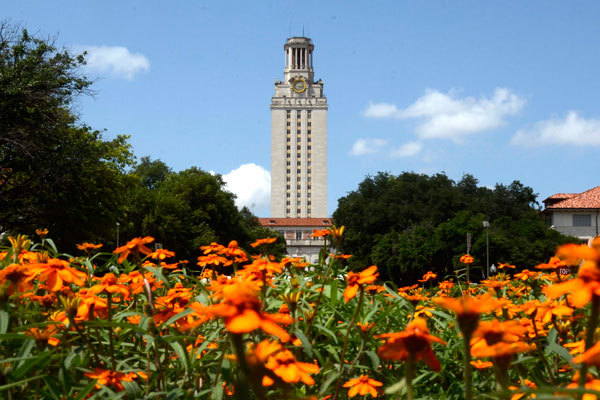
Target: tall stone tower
[298, 137]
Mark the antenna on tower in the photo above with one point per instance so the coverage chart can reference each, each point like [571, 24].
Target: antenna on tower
[302, 30]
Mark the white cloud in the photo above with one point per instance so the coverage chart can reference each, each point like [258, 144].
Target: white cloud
[117, 61]
[367, 146]
[251, 184]
[445, 116]
[570, 130]
[407, 149]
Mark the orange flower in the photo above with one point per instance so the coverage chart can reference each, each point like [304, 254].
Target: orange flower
[573, 254]
[263, 241]
[415, 342]
[161, 254]
[233, 250]
[18, 278]
[362, 385]
[108, 283]
[505, 265]
[45, 336]
[135, 246]
[212, 248]
[320, 233]
[428, 275]
[55, 272]
[241, 309]
[87, 247]
[582, 288]
[466, 259]
[554, 263]
[42, 233]
[590, 357]
[113, 378]
[481, 364]
[213, 259]
[356, 280]
[284, 365]
[468, 309]
[279, 361]
[526, 274]
[498, 339]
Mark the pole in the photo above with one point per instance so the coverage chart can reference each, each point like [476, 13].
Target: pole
[487, 250]
[118, 225]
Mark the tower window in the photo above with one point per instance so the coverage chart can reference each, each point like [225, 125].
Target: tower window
[298, 171]
[299, 213]
[288, 147]
[287, 195]
[289, 123]
[309, 147]
[299, 163]
[288, 178]
[288, 162]
[309, 170]
[298, 179]
[288, 187]
[298, 139]
[299, 147]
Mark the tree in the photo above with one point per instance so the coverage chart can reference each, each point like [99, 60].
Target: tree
[412, 223]
[54, 171]
[186, 210]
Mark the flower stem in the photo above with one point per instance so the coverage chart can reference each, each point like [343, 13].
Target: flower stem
[241, 356]
[468, 369]
[343, 355]
[110, 331]
[314, 315]
[589, 336]
[409, 376]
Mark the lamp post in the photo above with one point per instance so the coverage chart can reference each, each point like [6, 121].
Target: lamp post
[486, 225]
[118, 225]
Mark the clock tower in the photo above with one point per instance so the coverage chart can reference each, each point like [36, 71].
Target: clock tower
[298, 137]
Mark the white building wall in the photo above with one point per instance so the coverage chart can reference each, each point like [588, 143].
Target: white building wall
[562, 221]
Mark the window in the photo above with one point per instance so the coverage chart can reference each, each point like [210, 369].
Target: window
[306, 171]
[298, 194]
[299, 162]
[288, 162]
[298, 171]
[299, 132]
[287, 203]
[309, 147]
[309, 139]
[298, 179]
[298, 139]
[289, 123]
[309, 163]
[288, 147]
[288, 187]
[299, 211]
[299, 147]
[287, 210]
[288, 171]
[287, 178]
[298, 187]
[307, 124]
[298, 233]
[582, 219]
[308, 203]
[299, 155]
[287, 195]
[308, 187]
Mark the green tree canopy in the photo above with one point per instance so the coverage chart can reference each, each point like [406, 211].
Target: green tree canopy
[54, 171]
[412, 223]
[186, 210]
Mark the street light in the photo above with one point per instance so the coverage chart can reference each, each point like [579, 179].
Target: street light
[486, 225]
[118, 225]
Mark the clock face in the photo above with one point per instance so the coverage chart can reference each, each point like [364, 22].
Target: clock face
[299, 85]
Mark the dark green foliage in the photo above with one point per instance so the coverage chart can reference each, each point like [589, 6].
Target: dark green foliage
[186, 210]
[54, 172]
[412, 223]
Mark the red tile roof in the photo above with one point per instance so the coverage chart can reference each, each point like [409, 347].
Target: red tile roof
[312, 222]
[561, 196]
[588, 199]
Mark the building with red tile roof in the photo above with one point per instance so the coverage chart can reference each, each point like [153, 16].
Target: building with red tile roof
[575, 214]
[297, 233]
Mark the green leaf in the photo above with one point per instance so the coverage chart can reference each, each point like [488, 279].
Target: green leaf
[332, 377]
[561, 351]
[374, 359]
[333, 293]
[19, 383]
[51, 243]
[182, 314]
[4, 318]
[86, 390]
[396, 387]
[159, 275]
[305, 342]
[182, 355]
[327, 331]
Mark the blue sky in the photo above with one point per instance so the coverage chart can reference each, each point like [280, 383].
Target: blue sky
[501, 90]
